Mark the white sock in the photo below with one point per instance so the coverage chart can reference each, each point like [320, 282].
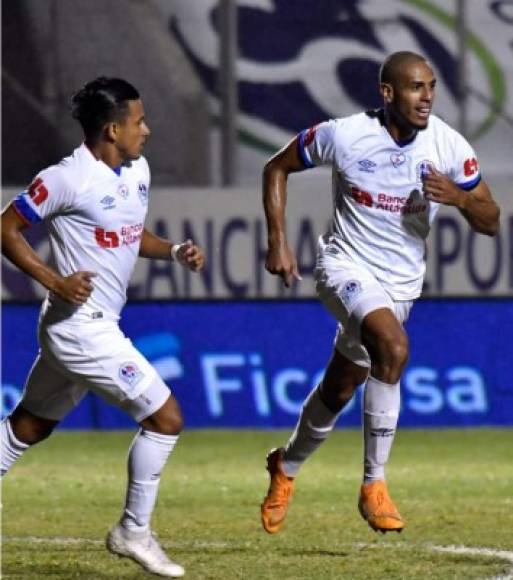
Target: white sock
[315, 424]
[380, 413]
[10, 447]
[146, 458]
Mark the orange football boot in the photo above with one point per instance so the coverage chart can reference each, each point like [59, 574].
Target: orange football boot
[377, 508]
[281, 487]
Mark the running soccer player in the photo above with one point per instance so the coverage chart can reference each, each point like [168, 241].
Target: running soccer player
[95, 203]
[392, 168]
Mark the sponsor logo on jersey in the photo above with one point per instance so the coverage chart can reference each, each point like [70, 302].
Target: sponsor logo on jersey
[131, 234]
[123, 190]
[397, 159]
[123, 237]
[106, 239]
[361, 197]
[130, 373]
[108, 202]
[309, 136]
[470, 166]
[412, 204]
[142, 191]
[38, 191]
[366, 165]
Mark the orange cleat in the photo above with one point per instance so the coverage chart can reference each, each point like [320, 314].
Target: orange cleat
[378, 509]
[274, 507]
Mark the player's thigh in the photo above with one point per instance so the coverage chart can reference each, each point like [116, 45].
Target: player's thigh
[102, 359]
[350, 293]
[50, 393]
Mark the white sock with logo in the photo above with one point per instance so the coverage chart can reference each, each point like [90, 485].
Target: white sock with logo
[146, 459]
[315, 424]
[11, 448]
[380, 413]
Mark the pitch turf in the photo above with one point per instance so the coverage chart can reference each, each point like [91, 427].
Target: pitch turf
[455, 488]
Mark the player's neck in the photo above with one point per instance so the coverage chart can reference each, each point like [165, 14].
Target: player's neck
[398, 131]
[105, 152]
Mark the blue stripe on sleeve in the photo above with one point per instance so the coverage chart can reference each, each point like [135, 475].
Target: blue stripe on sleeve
[470, 184]
[20, 203]
[301, 150]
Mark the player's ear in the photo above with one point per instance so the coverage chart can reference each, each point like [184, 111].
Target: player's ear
[387, 92]
[111, 131]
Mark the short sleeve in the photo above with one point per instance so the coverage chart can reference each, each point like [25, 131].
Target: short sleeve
[316, 145]
[145, 168]
[49, 194]
[463, 166]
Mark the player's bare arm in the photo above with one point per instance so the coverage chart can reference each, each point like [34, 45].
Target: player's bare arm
[188, 254]
[477, 205]
[75, 288]
[280, 258]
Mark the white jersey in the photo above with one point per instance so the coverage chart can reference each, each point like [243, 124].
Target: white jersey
[381, 218]
[95, 217]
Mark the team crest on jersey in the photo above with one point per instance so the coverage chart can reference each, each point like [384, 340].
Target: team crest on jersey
[350, 291]
[123, 190]
[108, 202]
[366, 165]
[142, 191]
[130, 373]
[424, 168]
[397, 159]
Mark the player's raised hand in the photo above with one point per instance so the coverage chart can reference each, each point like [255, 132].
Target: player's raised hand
[281, 262]
[438, 187]
[76, 288]
[190, 255]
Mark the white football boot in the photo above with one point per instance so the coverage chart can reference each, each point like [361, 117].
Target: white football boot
[143, 549]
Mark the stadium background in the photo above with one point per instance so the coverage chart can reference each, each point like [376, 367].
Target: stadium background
[238, 349]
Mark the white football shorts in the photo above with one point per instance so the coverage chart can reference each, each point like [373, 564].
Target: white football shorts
[350, 292]
[75, 358]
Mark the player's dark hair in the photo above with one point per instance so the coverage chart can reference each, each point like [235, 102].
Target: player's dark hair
[391, 66]
[101, 101]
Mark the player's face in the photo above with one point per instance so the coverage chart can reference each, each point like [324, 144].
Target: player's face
[132, 132]
[413, 94]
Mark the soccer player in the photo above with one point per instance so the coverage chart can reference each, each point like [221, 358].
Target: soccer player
[392, 168]
[94, 203]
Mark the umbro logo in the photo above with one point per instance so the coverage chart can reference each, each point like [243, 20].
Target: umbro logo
[382, 432]
[108, 202]
[366, 165]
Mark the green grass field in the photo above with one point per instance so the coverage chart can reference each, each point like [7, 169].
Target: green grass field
[455, 488]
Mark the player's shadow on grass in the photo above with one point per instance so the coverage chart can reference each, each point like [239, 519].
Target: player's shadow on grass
[318, 552]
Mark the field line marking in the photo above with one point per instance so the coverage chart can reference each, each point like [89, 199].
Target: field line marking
[476, 551]
[502, 554]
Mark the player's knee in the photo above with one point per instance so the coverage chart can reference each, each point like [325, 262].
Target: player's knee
[32, 433]
[399, 352]
[167, 421]
[171, 425]
[29, 428]
[390, 358]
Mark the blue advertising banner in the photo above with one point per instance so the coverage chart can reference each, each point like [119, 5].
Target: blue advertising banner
[251, 364]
